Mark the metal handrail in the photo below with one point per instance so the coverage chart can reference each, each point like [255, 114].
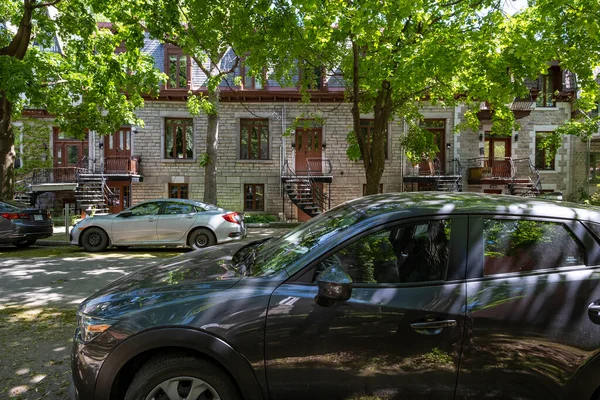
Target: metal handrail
[319, 161]
[534, 173]
[319, 198]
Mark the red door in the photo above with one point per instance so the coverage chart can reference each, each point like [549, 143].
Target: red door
[308, 151]
[117, 150]
[308, 157]
[497, 151]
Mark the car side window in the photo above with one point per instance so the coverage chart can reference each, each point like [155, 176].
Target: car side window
[178, 208]
[146, 209]
[402, 254]
[526, 245]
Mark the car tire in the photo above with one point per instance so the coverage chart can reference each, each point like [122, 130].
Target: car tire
[94, 239]
[25, 243]
[201, 238]
[178, 375]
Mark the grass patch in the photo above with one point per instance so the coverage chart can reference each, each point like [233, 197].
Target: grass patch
[35, 344]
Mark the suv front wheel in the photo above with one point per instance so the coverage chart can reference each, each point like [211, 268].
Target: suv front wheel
[176, 377]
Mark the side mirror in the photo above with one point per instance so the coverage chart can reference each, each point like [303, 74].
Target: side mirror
[334, 285]
[125, 214]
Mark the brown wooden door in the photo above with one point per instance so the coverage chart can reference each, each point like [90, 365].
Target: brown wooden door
[121, 196]
[308, 147]
[495, 150]
[117, 150]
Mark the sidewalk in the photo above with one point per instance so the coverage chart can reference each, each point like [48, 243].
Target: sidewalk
[60, 238]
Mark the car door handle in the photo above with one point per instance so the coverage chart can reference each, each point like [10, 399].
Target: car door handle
[594, 312]
[150, 219]
[448, 323]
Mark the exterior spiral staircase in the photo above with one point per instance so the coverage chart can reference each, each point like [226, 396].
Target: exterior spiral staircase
[305, 192]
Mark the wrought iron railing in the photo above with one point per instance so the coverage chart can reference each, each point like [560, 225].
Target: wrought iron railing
[490, 168]
[125, 165]
[318, 166]
[56, 175]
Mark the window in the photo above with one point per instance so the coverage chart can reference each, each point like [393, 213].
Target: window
[594, 176]
[313, 77]
[179, 138]
[404, 254]
[525, 245]
[177, 68]
[178, 208]
[366, 127]
[150, 208]
[178, 190]
[252, 82]
[254, 139]
[541, 159]
[546, 86]
[254, 197]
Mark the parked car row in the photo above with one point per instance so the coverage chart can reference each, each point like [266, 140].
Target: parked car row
[420, 295]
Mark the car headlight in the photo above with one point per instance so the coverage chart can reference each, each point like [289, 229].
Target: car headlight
[91, 327]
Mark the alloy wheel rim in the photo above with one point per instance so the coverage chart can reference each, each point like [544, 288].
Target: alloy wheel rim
[183, 388]
[201, 241]
[95, 239]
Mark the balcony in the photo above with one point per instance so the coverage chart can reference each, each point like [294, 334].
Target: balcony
[429, 175]
[116, 165]
[483, 170]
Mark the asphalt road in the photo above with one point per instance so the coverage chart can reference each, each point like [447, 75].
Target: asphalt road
[66, 280]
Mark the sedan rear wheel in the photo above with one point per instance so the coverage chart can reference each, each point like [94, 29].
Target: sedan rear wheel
[94, 239]
[175, 377]
[201, 238]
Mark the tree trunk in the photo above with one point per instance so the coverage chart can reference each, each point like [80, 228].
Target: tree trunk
[212, 150]
[7, 150]
[372, 149]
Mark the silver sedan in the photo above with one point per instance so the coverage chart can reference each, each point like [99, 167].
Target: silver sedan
[173, 222]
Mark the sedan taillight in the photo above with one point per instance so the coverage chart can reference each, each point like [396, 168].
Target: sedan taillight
[233, 217]
[13, 215]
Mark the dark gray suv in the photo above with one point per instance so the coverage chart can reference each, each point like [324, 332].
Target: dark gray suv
[417, 295]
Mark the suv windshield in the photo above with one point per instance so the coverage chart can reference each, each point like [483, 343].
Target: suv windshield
[274, 255]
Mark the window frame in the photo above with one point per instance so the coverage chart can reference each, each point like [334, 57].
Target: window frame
[252, 122]
[173, 133]
[253, 79]
[542, 154]
[179, 186]
[170, 50]
[476, 246]
[594, 163]
[254, 199]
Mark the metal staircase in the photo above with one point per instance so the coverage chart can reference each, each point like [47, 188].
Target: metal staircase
[526, 180]
[449, 183]
[92, 193]
[305, 192]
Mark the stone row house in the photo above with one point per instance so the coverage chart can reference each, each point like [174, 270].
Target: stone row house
[262, 170]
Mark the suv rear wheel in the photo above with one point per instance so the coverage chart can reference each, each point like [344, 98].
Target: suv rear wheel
[175, 377]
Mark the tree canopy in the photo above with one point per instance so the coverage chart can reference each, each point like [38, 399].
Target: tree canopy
[398, 56]
[55, 56]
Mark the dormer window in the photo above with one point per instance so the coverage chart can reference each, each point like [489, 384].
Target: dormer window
[177, 68]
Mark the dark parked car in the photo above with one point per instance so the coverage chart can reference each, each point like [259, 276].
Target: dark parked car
[21, 225]
[419, 295]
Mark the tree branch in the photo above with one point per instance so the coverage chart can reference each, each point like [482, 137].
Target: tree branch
[42, 5]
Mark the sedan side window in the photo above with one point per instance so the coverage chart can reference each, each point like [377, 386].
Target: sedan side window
[178, 208]
[146, 209]
[524, 245]
[403, 254]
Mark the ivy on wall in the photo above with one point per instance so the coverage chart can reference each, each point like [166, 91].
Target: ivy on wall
[32, 144]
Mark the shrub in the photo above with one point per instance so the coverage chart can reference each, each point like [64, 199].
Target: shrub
[259, 218]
